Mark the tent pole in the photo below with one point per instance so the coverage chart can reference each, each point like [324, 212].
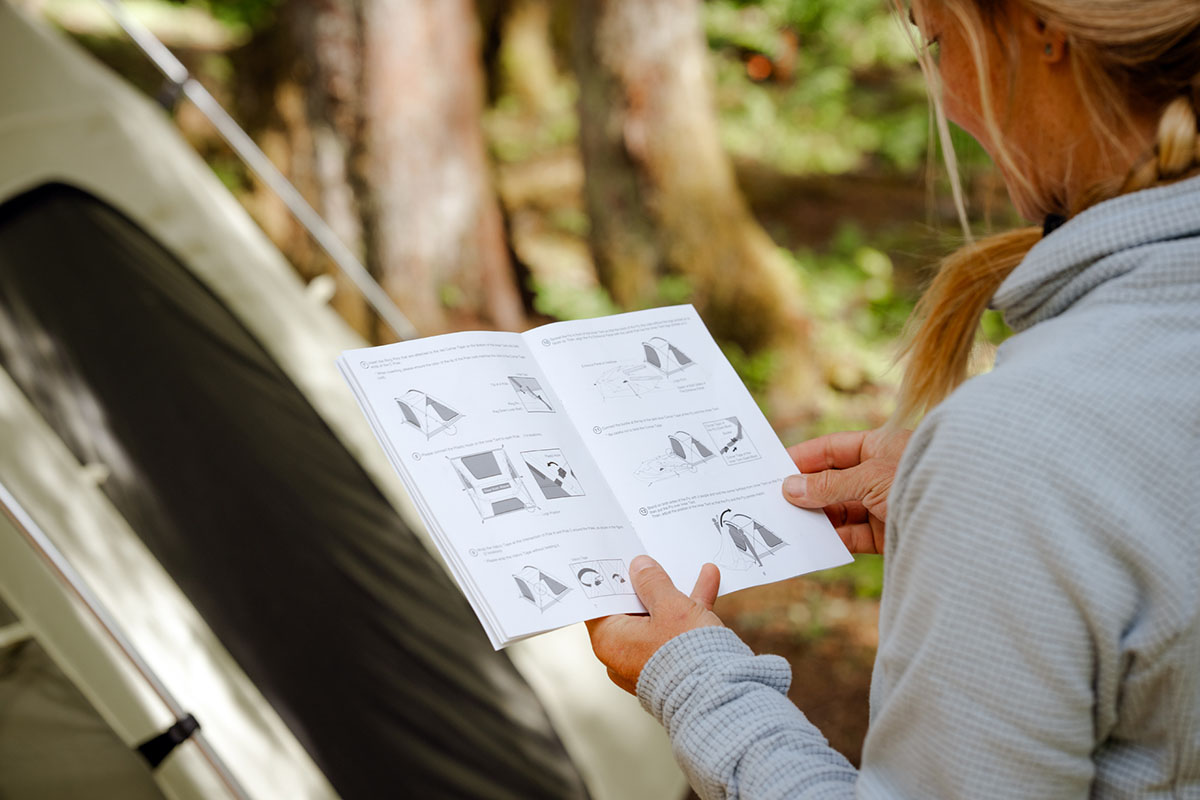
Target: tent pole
[58, 562]
[254, 158]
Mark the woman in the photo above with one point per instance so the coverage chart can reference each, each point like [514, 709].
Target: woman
[1040, 622]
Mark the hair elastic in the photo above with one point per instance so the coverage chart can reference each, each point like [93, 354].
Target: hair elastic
[1052, 223]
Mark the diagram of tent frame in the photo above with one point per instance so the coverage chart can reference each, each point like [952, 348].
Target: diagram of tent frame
[744, 541]
[684, 454]
[531, 394]
[661, 361]
[665, 357]
[492, 482]
[426, 413]
[539, 588]
[630, 380]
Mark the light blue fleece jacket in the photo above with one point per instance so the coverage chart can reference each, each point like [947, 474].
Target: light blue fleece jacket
[1040, 621]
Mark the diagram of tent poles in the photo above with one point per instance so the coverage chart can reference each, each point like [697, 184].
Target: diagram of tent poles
[745, 541]
[427, 414]
[552, 473]
[731, 440]
[539, 588]
[665, 357]
[684, 454]
[660, 362]
[492, 482]
[603, 577]
[531, 394]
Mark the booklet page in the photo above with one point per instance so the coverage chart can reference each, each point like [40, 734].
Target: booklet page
[690, 457]
[510, 494]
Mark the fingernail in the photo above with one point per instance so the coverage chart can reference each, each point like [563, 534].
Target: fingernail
[794, 485]
[640, 563]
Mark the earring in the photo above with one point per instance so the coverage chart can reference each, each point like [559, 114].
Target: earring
[1049, 48]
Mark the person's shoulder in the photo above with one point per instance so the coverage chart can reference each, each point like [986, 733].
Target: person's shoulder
[1000, 415]
[1002, 443]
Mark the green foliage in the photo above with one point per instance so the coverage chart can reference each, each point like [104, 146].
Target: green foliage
[995, 329]
[248, 14]
[858, 312]
[755, 369]
[515, 133]
[864, 574]
[673, 290]
[565, 301]
[845, 91]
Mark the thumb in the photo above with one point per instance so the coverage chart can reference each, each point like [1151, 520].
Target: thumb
[708, 583]
[821, 489]
[651, 582]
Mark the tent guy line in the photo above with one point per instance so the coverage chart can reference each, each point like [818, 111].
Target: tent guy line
[254, 158]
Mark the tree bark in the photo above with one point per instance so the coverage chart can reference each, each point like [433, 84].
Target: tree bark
[389, 148]
[435, 221]
[660, 189]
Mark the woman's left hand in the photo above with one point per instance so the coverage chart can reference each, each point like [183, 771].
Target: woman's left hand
[625, 642]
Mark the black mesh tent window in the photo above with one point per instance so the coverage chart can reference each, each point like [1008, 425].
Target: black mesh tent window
[270, 527]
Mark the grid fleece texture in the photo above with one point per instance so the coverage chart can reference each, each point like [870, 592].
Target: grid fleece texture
[1040, 620]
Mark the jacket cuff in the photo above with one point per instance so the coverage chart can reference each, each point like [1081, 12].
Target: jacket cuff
[712, 652]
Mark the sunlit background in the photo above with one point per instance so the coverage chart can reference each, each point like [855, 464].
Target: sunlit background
[506, 163]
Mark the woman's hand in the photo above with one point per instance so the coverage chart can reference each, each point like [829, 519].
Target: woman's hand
[848, 475]
[625, 642]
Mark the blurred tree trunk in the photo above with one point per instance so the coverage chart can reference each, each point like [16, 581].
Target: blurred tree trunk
[390, 146]
[660, 189]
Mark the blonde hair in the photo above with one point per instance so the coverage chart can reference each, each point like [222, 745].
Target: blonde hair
[1124, 64]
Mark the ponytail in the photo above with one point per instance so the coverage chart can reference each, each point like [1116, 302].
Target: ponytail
[942, 331]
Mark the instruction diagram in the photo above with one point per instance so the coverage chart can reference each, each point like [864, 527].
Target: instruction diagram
[552, 473]
[428, 414]
[731, 441]
[603, 578]
[684, 454]
[745, 541]
[662, 362]
[531, 394]
[539, 588]
[493, 483]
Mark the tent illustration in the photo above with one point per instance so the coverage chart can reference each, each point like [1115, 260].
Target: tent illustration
[732, 444]
[197, 523]
[531, 394]
[603, 577]
[539, 588]
[665, 357]
[630, 380]
[661, 361]
[427, 414]
[492, 482]
[744, 541]
[684, 454]
[552, 474]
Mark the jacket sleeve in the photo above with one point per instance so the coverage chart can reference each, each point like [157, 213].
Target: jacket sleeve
[983, 683]
[734, 731]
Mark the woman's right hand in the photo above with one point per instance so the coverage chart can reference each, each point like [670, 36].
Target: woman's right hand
[848, 475]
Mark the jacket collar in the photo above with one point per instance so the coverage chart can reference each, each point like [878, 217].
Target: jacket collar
[1074, 260]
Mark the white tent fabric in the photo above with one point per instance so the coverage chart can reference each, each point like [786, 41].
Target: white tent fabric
[64, 119]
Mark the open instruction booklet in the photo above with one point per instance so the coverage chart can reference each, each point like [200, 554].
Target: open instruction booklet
[543, 462]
